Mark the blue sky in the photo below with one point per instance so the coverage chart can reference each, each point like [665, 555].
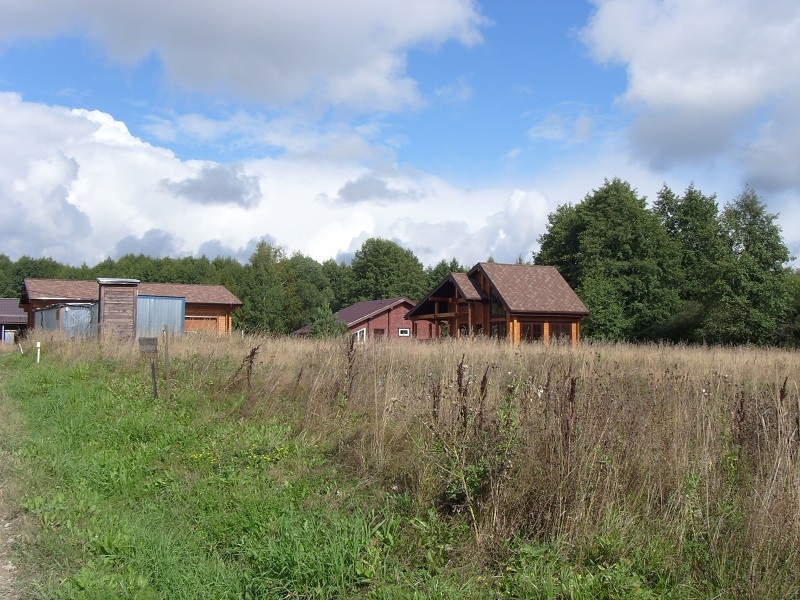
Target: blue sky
[451, 127]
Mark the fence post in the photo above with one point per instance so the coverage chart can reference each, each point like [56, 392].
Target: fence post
[166, 362]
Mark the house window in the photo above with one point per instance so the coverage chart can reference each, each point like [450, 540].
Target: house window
[497, 308]
[532, 332]
[360, 335]
[498, 331]
[378, 333]
[404, 332]
[560, 331]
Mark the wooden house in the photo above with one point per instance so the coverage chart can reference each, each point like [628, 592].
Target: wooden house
[109, 306]
[515, 302]
[376, 320]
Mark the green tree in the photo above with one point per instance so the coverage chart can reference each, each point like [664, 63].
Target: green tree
[618, 257]
[790, 335]
[230, 273]
[306, 288]
[7, 286]
[37, 268]
[752, 291]
[263, 297]
[441, 270]
[324, 323]
[342, 283]
[692, 221]
[382, 269]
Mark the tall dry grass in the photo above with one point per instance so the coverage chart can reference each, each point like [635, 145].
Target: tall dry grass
[688, 452]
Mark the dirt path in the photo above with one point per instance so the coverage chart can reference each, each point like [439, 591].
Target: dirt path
[8, 533]
[10, 519]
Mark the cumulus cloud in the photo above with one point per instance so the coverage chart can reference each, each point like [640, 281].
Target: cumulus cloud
[456, 92]
[705, 79]
[569, 124]
[38, 216]
[215, 248]
[154, 242]
[369, 187]
[218, 184]
[350, 53]
[504, 235]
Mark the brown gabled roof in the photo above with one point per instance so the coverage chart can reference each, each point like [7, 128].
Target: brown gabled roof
[361, 311]
[524, 289]
[466, 286]
[11, 313]
[89, 291]
[448, 286]
[531, 288]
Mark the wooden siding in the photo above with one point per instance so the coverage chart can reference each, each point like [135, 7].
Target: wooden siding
[483, 311]
[208, 318]
[117, 311]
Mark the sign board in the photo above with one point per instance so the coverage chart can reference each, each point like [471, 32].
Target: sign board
[149, 346]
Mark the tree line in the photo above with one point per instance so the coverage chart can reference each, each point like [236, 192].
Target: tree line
[280, 292]
[682, 270]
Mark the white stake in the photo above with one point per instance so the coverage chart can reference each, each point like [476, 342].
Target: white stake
[38, 351]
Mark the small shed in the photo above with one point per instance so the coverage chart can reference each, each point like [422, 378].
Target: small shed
[202, 307]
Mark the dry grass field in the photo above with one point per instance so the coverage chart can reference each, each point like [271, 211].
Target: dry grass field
[685, 457]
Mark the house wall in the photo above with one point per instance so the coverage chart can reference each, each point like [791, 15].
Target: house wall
[472, 318]
[390, 322]
[209, 318]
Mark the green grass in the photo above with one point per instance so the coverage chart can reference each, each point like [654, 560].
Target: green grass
[135, 498]
[304, 492]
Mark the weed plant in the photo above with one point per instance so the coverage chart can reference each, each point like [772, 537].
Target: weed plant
[295, 468]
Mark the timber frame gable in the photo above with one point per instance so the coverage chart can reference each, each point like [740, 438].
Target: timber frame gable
[515, 302]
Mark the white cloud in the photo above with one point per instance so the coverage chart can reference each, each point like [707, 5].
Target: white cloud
[217, 184]
[78, 187]
[348, 52]
[707, 78]
[101, 191]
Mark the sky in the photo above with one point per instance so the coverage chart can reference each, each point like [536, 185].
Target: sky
[452, 127]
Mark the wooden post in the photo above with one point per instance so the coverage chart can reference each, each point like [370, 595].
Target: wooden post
[149, 347]
[166, 362]
[153, 377]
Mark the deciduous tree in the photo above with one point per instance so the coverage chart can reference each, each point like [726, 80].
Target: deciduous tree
[383, 269]
[618, 257]
[751, 292]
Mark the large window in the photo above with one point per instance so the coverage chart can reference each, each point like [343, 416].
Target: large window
[360, 335]
[497, 308]
[532, 331]
[498, 330]
[560, 330]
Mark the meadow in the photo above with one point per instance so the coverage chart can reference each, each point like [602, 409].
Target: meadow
[291, 468]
